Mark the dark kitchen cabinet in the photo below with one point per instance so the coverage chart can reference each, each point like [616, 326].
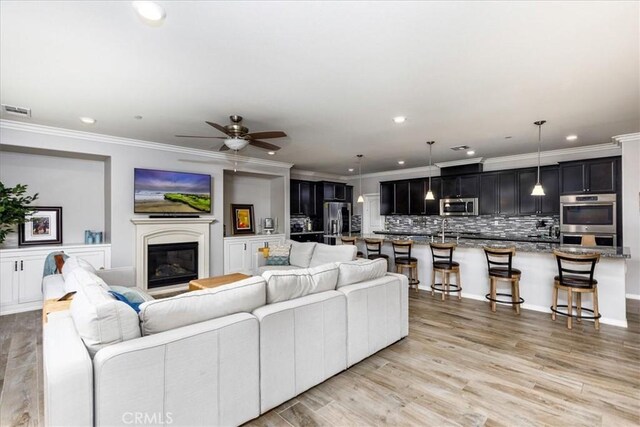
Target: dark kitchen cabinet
[349, 197]
[549, 204]
[334, 191]
[497, 193]
[394, 198]
[302, 199]
[307, 237]
[417, 191]
[589, 176]
[460, 186]
[433, 206]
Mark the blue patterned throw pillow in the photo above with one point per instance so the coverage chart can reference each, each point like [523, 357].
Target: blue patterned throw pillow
[279, 255]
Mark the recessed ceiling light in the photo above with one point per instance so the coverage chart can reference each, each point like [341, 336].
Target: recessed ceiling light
[271, 153]
[351, 169]
[401, 162]
[399, 119]
[87, 120]
[150, 12]
[471, 153]
[572, 137]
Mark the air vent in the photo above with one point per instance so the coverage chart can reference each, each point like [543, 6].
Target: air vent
[460, 148]
[16, 111]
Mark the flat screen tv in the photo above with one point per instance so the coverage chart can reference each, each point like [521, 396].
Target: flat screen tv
[165, 192]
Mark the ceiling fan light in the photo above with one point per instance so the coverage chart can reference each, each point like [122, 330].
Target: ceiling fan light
[429, 195]
[537, 190]
[236, 143]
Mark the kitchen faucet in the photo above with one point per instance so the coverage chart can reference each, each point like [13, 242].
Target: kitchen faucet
[444, 223]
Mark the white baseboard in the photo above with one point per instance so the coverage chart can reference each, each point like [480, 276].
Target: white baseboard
[21, 308]
[632, 296]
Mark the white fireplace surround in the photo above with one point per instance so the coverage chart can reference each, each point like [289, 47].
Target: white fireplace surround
[154, 231]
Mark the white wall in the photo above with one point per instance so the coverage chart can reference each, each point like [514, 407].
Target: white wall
[246, 190]
[75, 184]
[631, 211]
[122, 156]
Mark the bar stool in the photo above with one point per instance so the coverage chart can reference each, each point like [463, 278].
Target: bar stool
[499, 263]
[350, 240]
[403, 260]
[374, 249]
[443, 263]
[579, 280]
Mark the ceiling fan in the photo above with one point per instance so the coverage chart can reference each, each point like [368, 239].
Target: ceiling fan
[238, 136]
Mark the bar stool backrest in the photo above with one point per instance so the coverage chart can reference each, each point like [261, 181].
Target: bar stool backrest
[348, 240]
[499, 258]
[402, 248]
[374, 246]
[442, 252]
[576, 264]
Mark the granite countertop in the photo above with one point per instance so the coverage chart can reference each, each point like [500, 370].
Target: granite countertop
[523, 244]
[300, 233]
[532, 238]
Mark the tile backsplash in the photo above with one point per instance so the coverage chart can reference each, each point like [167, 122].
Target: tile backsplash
[498, 225]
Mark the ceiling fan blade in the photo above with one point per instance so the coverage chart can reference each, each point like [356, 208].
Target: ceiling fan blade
[217, 126]
[224, 148]
[195, 136]
[267, 134]
[265, 145]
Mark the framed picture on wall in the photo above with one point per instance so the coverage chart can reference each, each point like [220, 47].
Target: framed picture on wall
[42, 227]
[242, 218]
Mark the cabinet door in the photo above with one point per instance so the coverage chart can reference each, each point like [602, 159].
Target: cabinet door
[294, 197]
[329, 191]
[550, 202]
[416, 197]
[349, 197]
[488, 200]
[340, 191]
[401, 198]
[601, 176]
[527, 204]
[305, 198]
[449, 187]
[433, 206]
[30, 279]
[507, 193]
[469, 186]
[572, 178]
[9, 280]
[235, 257]
[94, 257]
[386, 198]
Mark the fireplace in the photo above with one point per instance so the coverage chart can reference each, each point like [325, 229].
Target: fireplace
[171, 264]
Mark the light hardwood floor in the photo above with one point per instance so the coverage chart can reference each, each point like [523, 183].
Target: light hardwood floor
[460, 365]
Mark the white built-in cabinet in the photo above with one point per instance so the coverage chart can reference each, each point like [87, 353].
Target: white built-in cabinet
[239, 252]
[21, 272]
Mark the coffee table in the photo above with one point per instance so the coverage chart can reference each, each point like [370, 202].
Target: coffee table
[214, 282]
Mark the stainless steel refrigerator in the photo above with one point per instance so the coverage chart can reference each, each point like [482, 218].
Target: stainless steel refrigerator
[337, 220]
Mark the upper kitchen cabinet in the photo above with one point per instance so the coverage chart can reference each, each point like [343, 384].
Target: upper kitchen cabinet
[589, 176]
[334, 191]
[417, 192]
[433, 206]
[497, 193]
[302, 198]
[549, 204]
[349, 196]
[394, 198]
[460, 186]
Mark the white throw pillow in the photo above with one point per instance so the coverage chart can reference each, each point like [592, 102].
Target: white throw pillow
[80, 277]
[330, 253]
[284, 285]
[100, 319]
[301, 253]
[193, 307]
[73, 263]
[361, 270]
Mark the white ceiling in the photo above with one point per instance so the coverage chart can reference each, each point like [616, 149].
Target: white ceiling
[332, 74]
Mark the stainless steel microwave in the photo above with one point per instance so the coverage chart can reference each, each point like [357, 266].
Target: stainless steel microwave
[593, 213]
[459, 207]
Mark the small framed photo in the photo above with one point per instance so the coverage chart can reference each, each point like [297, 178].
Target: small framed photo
[242, 217]
[42, 227]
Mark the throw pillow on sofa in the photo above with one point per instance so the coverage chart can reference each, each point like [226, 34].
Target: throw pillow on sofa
[284, 285]
[361, 270]
[278, 255]
[301, 253]
[132, 294]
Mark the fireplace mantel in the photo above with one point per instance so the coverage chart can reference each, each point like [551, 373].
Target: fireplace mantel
[151, 231]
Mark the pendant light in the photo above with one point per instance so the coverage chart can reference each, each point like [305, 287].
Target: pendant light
[537, 189]
[360, 156]
[429, 195]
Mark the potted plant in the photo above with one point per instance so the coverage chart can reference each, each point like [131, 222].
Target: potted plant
[14, 207]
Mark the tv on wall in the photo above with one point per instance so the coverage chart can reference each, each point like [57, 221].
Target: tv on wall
[165, 192]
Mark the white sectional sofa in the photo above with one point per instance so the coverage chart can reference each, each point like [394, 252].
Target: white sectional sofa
[220, 356]
[310, 254]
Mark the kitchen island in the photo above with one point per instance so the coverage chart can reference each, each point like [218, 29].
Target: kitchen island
[534, 258]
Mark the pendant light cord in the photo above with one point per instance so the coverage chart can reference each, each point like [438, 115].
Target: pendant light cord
[539, 137]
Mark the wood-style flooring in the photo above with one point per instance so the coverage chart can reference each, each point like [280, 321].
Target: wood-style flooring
[460, 365]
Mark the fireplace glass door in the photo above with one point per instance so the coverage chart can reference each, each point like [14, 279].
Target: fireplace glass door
[171, 264]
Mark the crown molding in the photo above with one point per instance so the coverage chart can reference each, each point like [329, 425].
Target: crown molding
[320, 175]
[407, 171]
[107, 139]
[554, 153]
[470, 161]
[629, 137]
